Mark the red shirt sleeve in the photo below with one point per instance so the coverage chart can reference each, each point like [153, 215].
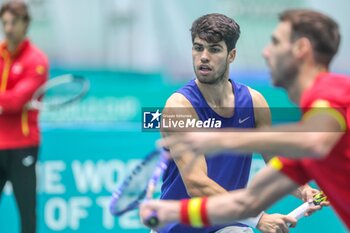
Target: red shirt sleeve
[13, 100]
[292, 168]
[320, 99]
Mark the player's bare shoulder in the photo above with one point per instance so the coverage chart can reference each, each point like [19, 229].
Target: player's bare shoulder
[178, 107]
[178, 100]
[259, 100]
[261, 109]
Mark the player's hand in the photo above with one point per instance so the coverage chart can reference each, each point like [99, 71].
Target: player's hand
[308, 194]
[197, 143]
[275, 223]
[166, 212]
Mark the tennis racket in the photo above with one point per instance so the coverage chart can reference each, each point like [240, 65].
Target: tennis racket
[140, 184]
[299, 212]
[58, 92]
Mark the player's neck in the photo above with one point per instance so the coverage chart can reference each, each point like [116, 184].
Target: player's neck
[304, 81]
[217, 95]
[13, 45]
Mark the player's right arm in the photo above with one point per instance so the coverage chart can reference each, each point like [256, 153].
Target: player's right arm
[196, 179]
[267, 187]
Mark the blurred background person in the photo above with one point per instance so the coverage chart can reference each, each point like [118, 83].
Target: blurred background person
[23, 69]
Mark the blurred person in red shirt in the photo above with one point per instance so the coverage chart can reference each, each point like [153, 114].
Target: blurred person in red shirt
[23, 68]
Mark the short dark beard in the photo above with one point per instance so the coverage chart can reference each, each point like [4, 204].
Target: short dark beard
[286, 71]
[215, 80]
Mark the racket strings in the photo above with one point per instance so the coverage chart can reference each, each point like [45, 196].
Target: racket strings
[135, 186]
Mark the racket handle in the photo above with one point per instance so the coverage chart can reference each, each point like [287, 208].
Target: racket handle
[299, 212]
[152, 221]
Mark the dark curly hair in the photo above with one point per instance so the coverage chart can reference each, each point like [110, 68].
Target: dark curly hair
[214, 28]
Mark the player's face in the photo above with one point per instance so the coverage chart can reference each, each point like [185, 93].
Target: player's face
[279, 56]
[211, 61]
[14, 28]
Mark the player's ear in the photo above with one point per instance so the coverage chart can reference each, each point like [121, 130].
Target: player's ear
[232, 55]
[302, 47]
[26, 26]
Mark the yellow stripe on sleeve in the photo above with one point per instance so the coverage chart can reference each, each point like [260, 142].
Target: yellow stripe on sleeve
[323, 106]
[275, 163]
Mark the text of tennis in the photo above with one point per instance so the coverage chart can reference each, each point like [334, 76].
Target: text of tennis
[81, 194]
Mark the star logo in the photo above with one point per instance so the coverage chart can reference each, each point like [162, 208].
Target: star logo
[151, 119]
[156, 115]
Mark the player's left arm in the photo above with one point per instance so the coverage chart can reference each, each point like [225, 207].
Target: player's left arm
[268, 186]
[314, 137]
[317, 133]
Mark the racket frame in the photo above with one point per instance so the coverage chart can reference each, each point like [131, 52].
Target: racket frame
[35, 102]
[161, 166]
